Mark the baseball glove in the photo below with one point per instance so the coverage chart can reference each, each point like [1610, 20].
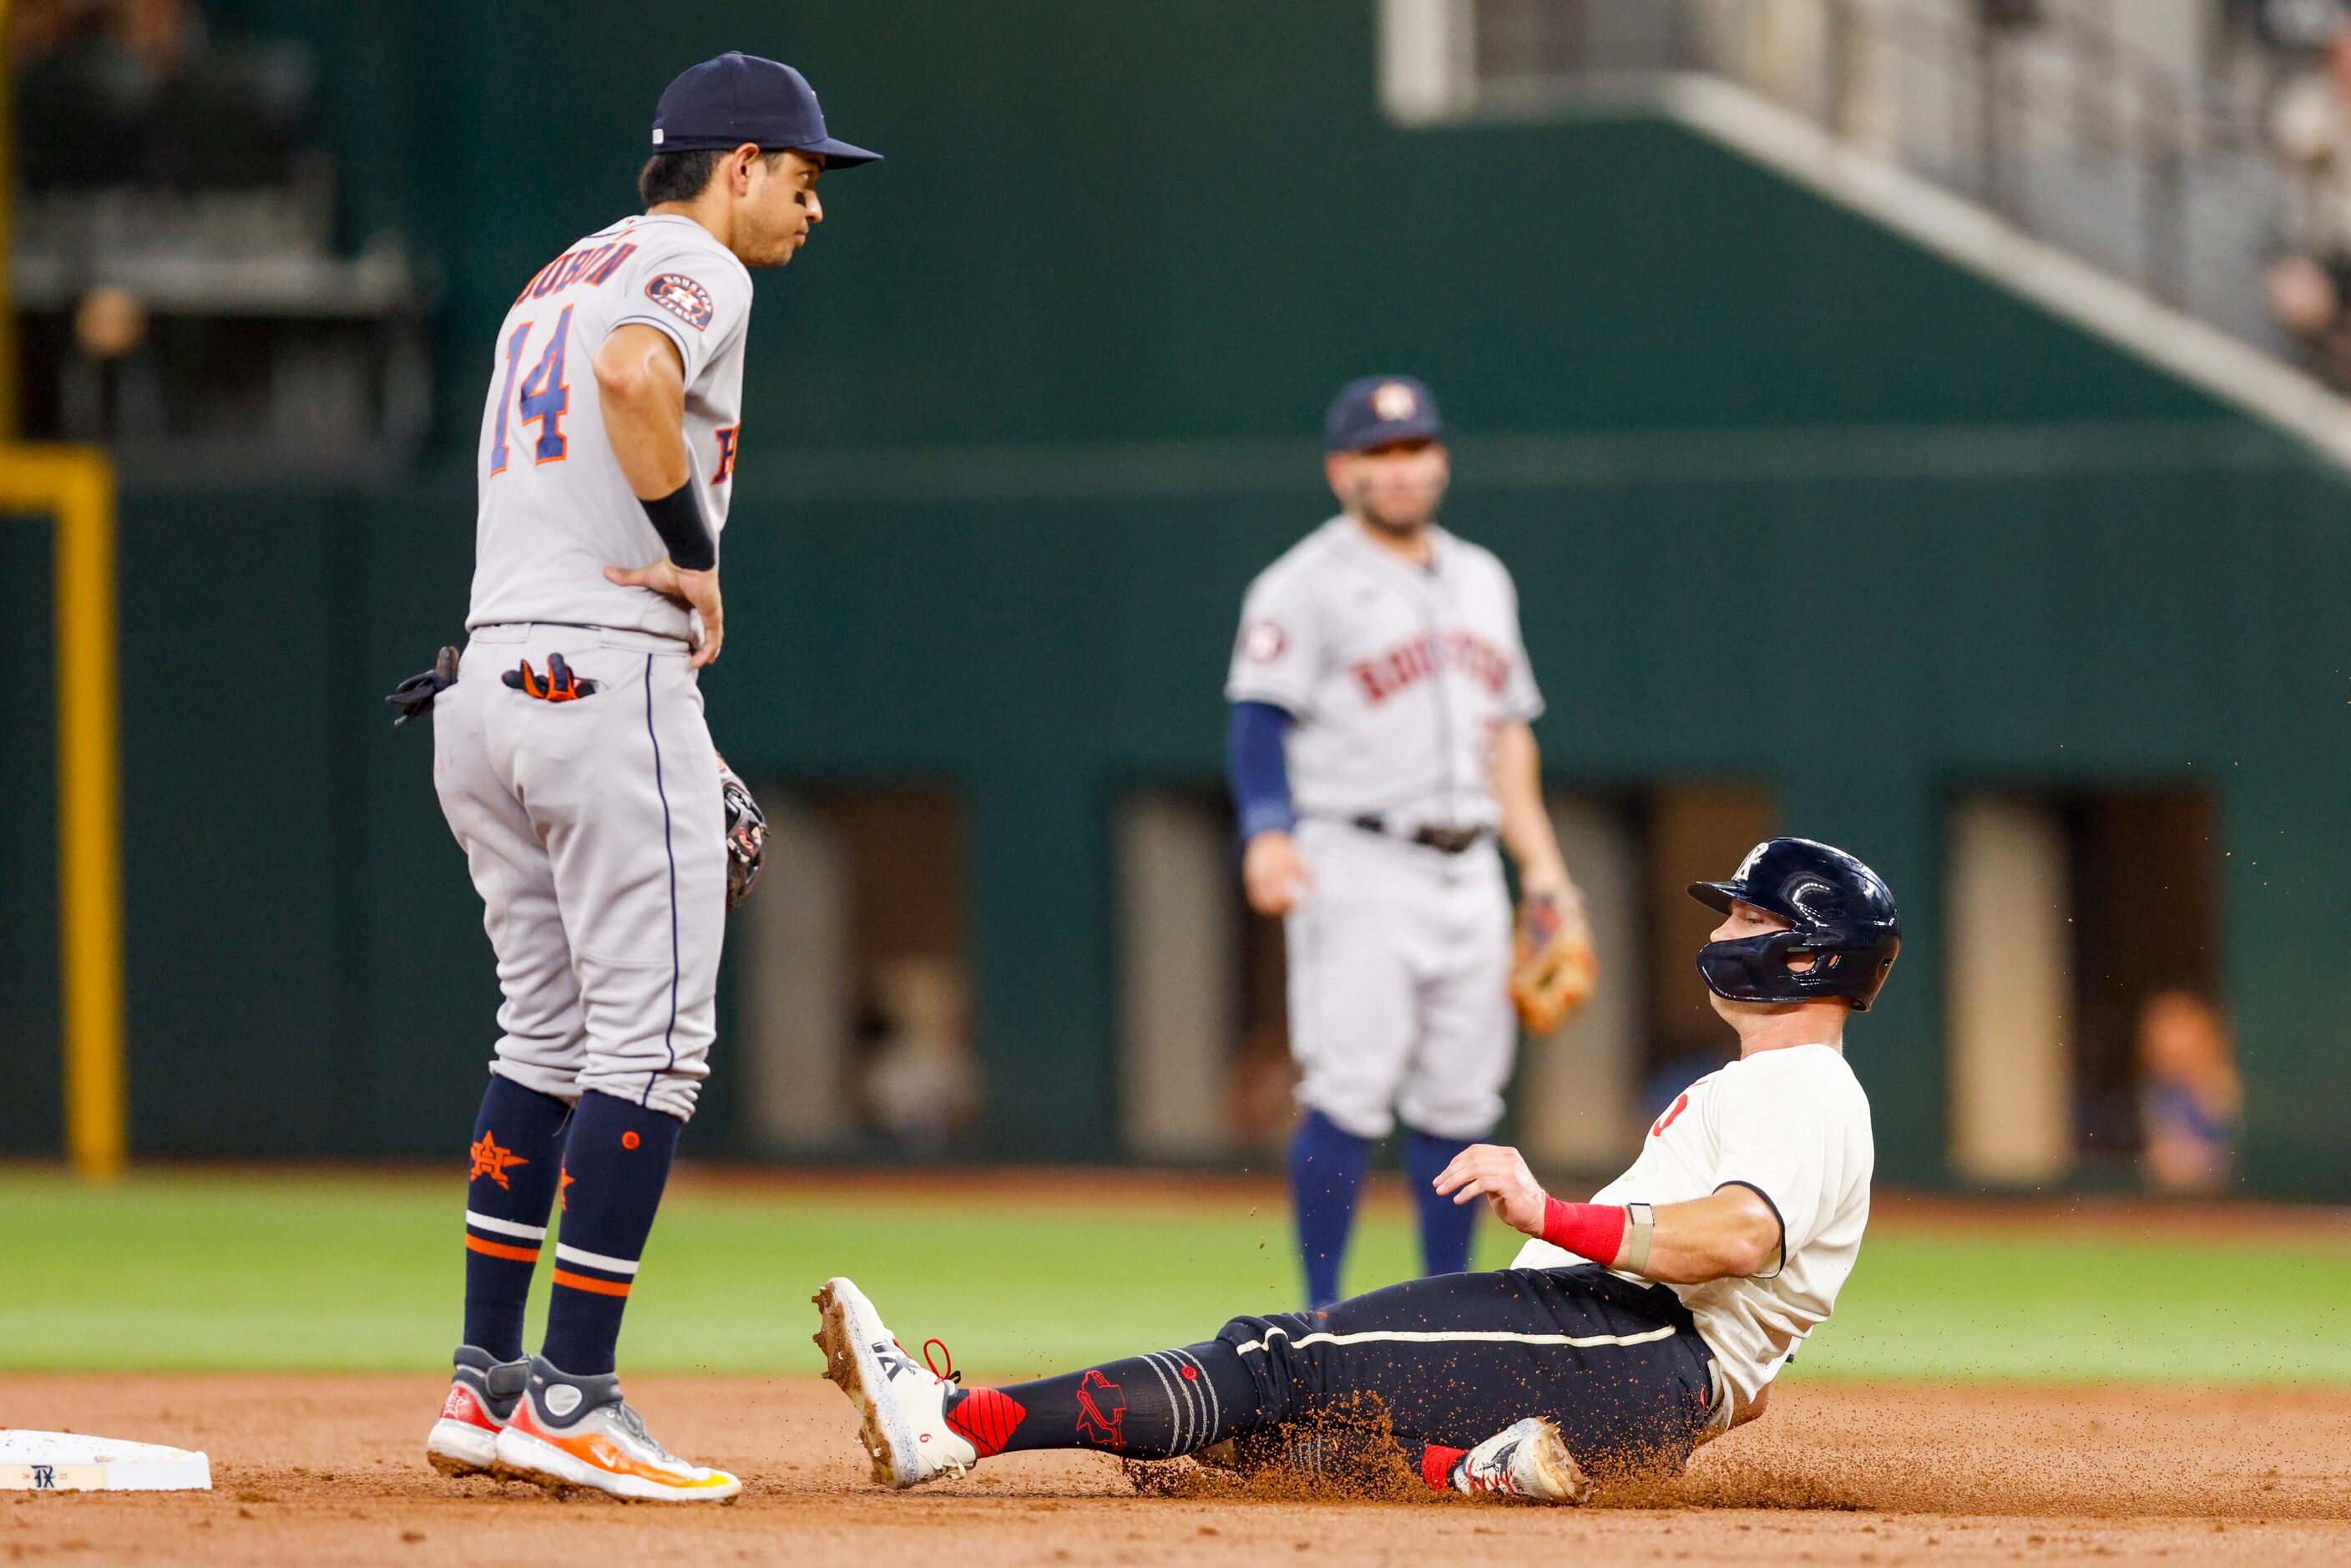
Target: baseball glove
[1554, 970]
[747, 835]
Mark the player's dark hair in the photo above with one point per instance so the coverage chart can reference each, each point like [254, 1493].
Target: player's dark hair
[683, 176]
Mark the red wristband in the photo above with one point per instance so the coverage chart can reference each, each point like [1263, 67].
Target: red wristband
[1594, 1230]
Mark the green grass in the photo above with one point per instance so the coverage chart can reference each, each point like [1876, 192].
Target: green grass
[319, 1271]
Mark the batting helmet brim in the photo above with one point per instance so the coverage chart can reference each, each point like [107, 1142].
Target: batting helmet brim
[1718, 895]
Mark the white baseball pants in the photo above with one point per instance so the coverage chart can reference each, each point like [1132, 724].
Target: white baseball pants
[595, 833]
[1399, 983]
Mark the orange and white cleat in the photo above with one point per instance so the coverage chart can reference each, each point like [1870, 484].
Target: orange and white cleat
[483, 1392]
[572, 1432]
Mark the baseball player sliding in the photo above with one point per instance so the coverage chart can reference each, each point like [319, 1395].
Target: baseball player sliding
[1381, 705]
[573, 764]
[1709, 1261]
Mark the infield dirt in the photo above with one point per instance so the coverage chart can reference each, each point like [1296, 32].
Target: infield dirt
[330, 1469]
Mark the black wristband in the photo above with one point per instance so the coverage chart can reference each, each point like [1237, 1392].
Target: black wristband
[677, 518]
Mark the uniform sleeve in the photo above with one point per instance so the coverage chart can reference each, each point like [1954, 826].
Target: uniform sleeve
[701, 299]
[1279, 652]
[1522, 699]
[1778, 1136]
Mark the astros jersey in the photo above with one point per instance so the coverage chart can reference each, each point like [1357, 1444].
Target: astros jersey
[555, 510]
[1794, 1125]
[1399, 676]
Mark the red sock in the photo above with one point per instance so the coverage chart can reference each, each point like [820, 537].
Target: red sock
[988, 1417]
[1436, 1463]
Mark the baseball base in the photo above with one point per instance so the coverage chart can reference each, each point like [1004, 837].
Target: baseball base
[69, 1461]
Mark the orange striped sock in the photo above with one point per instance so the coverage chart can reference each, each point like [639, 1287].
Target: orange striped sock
[616, 1161]
[515, 1153]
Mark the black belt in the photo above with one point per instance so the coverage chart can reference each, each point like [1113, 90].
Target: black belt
[1444, 841]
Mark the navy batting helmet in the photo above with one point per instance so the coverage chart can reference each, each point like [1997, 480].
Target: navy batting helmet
[1839, 913]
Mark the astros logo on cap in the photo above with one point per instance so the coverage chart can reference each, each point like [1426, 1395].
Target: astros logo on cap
[1394, 400]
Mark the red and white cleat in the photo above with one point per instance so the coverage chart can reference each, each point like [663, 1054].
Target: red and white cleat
[905, 1429]
[482, 1395]
[1529, 1461]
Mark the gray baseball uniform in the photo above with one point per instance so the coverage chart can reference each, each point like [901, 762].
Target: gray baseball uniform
[593, 825]
[1398, 678]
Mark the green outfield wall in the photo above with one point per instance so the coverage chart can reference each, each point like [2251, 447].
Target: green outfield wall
[308, 970]
[1787, 501]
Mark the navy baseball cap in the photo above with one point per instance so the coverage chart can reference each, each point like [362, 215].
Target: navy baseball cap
[723, 103]
[1377, 410]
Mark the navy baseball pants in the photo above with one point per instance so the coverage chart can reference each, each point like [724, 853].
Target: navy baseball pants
[1446, 1362]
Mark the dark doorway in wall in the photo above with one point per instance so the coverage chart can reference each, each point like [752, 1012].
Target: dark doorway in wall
[848, 966]
[2145, 873]
[917, 1083]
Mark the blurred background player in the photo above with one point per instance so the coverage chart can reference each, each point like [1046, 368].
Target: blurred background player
[1382, 704]
[1711, 1258]
[574, 765]
[2190, 1094]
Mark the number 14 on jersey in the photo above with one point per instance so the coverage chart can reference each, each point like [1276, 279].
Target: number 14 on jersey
[546, 398]
[546, 392]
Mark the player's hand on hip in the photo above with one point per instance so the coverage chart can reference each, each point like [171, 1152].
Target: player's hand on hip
[697, 591]
[1274, 874]
[1500, 1176]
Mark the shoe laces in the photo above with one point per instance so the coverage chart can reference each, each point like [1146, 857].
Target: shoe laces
[949, 1375]
[625, 1416]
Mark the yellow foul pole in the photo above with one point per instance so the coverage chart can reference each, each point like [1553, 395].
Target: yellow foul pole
[89, 816]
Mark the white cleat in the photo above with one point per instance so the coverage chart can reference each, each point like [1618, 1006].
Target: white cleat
[904, 1430]
[572, 1432]
[1529, 1461]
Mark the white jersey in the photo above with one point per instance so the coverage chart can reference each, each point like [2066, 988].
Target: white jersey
[1398, 675]
[555, 510]
[1794, 1125]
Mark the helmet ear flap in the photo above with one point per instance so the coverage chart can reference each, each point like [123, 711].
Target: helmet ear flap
[1754, 968]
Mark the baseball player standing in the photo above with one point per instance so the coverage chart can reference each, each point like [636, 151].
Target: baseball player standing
[1382, 704]
[1630, 1330]
[573, 764]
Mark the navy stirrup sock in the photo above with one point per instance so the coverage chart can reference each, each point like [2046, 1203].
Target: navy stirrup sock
[517, 1150]
[616, 1161]
[1445, 1225]
[1326, 1174]
[1151, 1407]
